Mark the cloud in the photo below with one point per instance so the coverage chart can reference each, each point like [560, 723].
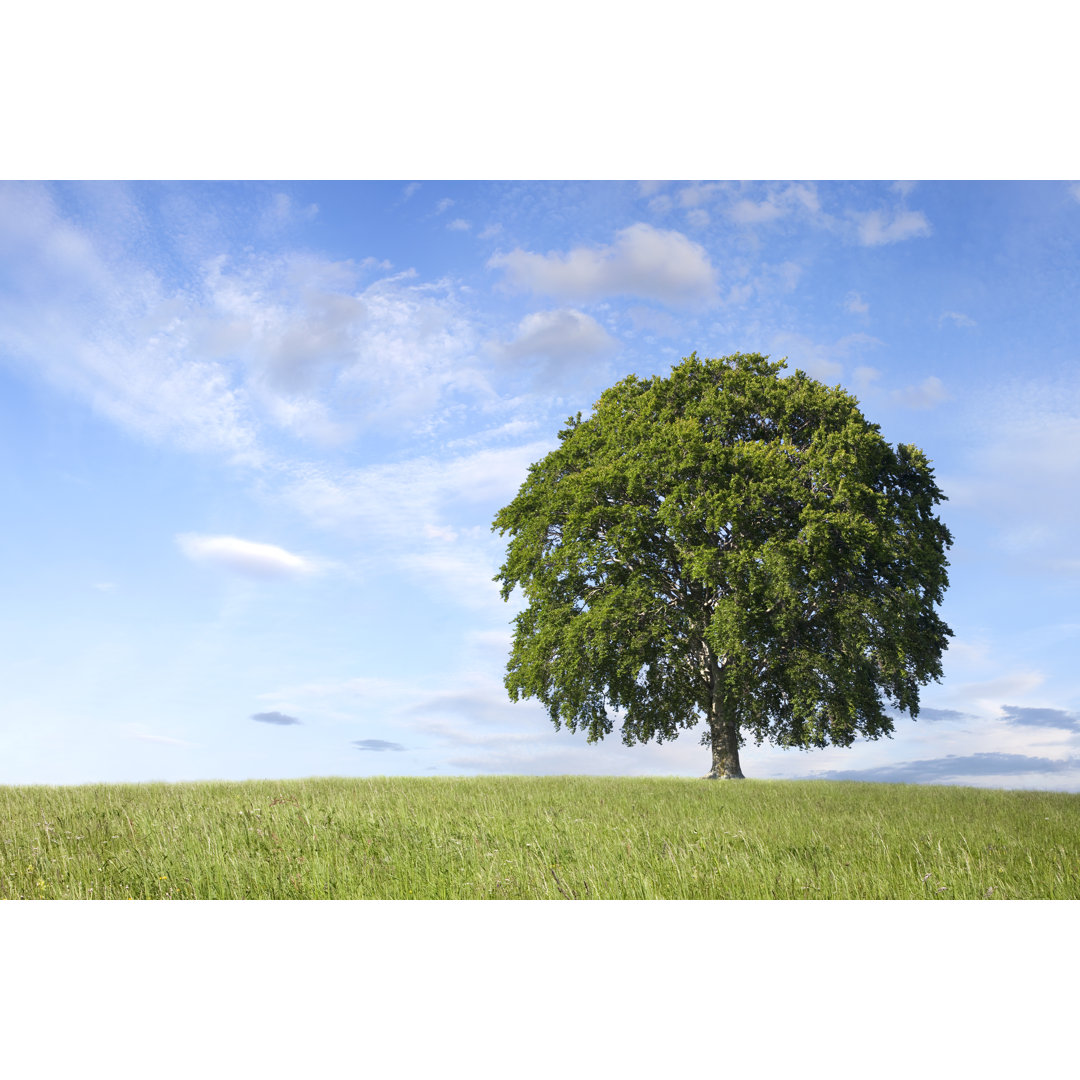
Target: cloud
[930, 392]
[864, 377]
[876, 227]
[244, 557]
[325, 359]
[478, 714]
[854, 303]
[490, 231]
[282, 212]
[955, 769]
[144, 737]
[288, 319]
[694, 195]
[778, 203]
[211, 348]
[1051, 718]
[397, 500]
[943, 715]
[487, 702]
[993, 690]
[564, 335]
[466, 574]
[459, 225]
[655, 321]
[1024, 452]
[903, 188]
[443, 205]
[90, 318]
[440, 532]
[409, 191]
[646, 188]
[1075, 189]
[274, 718]
[745, 212]
[651, 263]
[820, 361]
[378, 745]
[957, 317]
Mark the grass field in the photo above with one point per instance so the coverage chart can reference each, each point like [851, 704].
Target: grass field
[537, 838]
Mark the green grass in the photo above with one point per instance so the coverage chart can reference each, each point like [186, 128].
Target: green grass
[537, 838]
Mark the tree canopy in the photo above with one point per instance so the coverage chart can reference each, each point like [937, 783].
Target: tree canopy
[728, 544]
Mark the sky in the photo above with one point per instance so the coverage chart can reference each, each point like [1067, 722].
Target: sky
[253, 436]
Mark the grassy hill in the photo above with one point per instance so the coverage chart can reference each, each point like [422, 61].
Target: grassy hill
[540, 838]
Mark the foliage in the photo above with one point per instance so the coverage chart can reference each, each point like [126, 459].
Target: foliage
[731, 543]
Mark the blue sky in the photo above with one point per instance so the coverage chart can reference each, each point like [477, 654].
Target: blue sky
[252, 437]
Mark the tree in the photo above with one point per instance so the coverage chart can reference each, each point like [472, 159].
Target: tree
[732, 544]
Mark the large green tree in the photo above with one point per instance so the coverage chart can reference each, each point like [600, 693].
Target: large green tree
[732, 544]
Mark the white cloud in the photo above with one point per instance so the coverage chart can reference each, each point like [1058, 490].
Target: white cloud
[903, 188]
[439, 532]
[698, 218]
[420, 515]
[956, 317]
[138, 731]
[84, 316]
[647, 188]
[818, 360]
[970, 654]
[778, 203]
[289, 319]
[512, 429]
[397, 501]
[466, 575]
[1075, 189]
[286, 341]
[746, 212]
[694, 195]
[876, 227]
[282, 212]
[865, 377]
[563, 335]
[459, 225]
[991, 693]
[1013, 486]
[324, 360]
[245, 557]
[930, 392]
[443, 205]
[490, 231]
[409, 191]
[654, 321]
[854, 303]
[644, 261]
[1025, 454]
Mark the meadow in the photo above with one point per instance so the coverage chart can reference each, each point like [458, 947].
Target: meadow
[537, 838]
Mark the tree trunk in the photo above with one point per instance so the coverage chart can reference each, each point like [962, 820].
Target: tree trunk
[724, 732]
